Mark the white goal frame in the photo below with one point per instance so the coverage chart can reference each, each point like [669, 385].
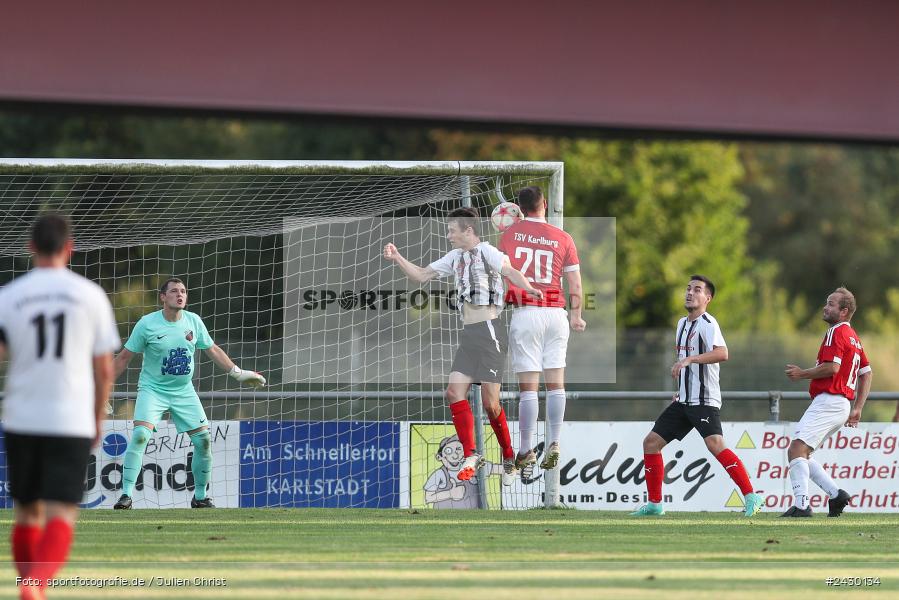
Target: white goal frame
[554, 171]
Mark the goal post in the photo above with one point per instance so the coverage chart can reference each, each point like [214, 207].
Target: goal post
[282, 261]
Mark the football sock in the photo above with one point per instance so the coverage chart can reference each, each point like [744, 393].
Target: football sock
[202, 462]
[799, 479]
[555, 415]
[734, 467]
[822, 479]
[52, 550]
[24, 542]
[501, 430]
[655, 472]
[134, 458]
[463, 420]
[527, 420]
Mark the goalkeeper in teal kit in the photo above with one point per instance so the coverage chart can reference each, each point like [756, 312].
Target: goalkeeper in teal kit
[168, 338]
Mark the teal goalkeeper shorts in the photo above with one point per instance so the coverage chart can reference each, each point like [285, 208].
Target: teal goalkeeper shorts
[185, 409]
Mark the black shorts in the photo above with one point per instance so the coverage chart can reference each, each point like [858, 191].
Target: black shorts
[43, 467]
[482, 351]
[678, 419]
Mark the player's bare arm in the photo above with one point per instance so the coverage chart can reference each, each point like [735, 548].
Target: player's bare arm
[412, 271]
[120, 363]
[861, 396]
[518, 278]
[718, 354]
[219, 357]
[827, 369]
[575, 300]
[103, 379]
[223, 361]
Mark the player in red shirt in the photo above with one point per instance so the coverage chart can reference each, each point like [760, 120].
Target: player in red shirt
[841, 373]
[539, 329]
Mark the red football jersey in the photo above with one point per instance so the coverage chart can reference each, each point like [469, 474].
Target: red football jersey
[542, 252]
[842, 346]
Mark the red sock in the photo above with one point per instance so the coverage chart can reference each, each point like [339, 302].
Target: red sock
[501, 429]
[736, 470]
[655, 473]
[24, 542]
[52, 550]
[464, 423]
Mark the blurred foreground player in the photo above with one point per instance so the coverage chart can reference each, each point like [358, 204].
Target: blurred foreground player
[59, 333]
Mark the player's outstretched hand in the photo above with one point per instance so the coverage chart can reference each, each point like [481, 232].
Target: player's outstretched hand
[391, 253]
[248, 377]
[534, 293]
[855, 416]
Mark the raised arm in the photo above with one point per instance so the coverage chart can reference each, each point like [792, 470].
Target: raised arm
[220, 358]
[412, 271]
[518, 278]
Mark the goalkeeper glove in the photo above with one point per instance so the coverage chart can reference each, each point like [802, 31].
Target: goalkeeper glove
[249, 377]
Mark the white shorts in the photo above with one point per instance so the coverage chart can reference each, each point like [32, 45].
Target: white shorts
[823, 418]
[538, 338]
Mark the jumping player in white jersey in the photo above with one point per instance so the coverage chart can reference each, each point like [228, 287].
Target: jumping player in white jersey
[697, 403]
[538, 333]
[59, 333]
[840, 375]
[168, 339]
[478, 269]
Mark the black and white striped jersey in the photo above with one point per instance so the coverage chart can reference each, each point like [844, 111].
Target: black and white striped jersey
[477, 272]
[699, 384]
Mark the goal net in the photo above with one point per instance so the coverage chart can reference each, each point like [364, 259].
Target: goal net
[282, 261]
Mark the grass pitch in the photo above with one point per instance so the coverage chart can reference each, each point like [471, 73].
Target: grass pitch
[322, 553]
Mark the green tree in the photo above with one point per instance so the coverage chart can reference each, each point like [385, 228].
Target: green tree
[825, 214]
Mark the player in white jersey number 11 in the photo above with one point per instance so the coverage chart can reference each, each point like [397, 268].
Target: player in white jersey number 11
[59, 333]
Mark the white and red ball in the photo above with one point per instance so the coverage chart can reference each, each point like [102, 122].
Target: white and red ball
[505, 215]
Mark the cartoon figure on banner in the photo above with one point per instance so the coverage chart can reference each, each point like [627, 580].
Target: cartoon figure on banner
[443, 489]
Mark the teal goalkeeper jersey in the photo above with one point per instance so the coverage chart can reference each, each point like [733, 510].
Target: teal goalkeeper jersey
[168, 349]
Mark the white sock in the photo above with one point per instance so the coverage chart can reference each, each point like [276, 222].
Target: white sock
[799, 479]
[555, 415]
[527, 420]
[822, 479]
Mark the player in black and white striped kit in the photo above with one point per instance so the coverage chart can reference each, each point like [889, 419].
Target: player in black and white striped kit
[478, 269]
[700, 348]
[59, 333]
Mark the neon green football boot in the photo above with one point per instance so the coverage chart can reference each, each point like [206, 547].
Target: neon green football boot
[650, 509]
[754, 503]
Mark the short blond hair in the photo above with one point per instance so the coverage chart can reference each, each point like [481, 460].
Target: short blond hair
[847, 301]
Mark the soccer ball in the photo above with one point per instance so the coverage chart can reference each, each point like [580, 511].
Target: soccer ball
[505, 215]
